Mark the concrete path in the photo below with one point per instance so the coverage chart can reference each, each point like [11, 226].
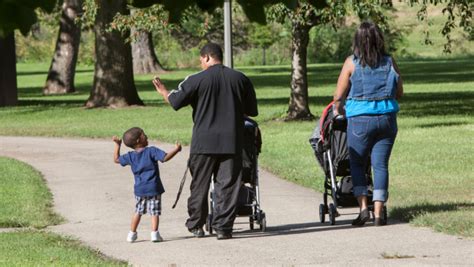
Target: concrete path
[96, 198]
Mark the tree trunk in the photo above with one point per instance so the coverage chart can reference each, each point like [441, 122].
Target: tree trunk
[8, 87]
[113, 77]
[63, 66]
[143, 53]
[298, 108]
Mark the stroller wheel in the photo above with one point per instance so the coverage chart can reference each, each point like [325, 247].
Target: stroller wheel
[332, 214]
[263, 225]
[322, 213]
[263, 222]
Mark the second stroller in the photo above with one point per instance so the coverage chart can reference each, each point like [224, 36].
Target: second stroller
[329, 142]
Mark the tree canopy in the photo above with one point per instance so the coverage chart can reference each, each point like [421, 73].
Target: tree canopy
[20, 14]
[254, 9]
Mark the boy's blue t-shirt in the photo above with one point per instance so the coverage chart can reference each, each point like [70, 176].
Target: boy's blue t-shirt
[144, 166]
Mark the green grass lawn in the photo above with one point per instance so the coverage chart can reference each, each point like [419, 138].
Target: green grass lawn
[25, 201]
[38, 248]
[431, 180]
[24, 197]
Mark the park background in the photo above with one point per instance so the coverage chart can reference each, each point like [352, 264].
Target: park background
[431, 166]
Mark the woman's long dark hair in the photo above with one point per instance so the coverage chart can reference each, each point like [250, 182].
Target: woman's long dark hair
[368, 45]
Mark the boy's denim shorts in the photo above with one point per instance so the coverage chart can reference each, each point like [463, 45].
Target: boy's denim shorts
[150, 205]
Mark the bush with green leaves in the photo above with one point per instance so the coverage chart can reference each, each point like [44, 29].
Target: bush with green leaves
[328, 45]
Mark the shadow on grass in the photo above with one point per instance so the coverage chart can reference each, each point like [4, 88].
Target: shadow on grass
[21, 73]
[10, 223]
[318, 100]
[415, 72]
[409, 213]
[442, 124]
[317, 76]
[44, 104]
[412, 104]
[171, 84]
[52, 102]
[437, 104]
[81, 89]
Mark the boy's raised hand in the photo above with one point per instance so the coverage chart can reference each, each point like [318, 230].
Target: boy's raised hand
[178, 145]
[173, 152]
[117, 140]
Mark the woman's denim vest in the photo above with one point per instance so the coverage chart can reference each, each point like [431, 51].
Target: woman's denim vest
[373, 83]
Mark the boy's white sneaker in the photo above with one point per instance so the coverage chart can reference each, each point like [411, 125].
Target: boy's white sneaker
[132, 236]
[156, 237]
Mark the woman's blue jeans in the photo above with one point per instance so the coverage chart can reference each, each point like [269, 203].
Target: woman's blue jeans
[372, 135]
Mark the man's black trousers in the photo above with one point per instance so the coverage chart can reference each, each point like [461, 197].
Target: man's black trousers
[226, 171]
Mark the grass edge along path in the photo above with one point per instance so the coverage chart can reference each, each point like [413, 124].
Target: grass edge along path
[43, 248]
[25, 201]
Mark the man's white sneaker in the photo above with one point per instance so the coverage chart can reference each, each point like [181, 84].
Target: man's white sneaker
[156, 237]
[132, 236]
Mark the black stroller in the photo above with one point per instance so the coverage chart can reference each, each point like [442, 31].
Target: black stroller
[249, 195]
[329, 142]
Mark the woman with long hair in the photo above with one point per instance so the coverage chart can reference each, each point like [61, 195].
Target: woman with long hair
[368, 87]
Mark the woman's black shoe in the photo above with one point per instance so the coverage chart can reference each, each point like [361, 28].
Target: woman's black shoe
[364, 216]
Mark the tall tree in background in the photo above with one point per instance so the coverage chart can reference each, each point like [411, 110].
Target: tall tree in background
[113, 76]
[262, 36]
[113, 81]
[62, 70]
[143, 50]
[143, 53]
[192, 29]
[302, 19]
[308, 14]
[14, 15]
[141, 23]
[196, 27]
[305, 14]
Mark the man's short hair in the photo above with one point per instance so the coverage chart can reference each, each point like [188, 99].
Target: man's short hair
[131, 136]
[213, 50]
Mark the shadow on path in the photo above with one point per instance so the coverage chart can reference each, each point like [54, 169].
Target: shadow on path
[304, 228]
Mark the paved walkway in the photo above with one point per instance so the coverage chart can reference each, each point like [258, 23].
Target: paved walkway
[96, 198]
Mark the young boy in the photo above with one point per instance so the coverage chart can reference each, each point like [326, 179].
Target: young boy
[148, 187]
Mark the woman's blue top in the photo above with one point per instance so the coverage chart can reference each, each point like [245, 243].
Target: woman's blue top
[372, 90]
[370, 107]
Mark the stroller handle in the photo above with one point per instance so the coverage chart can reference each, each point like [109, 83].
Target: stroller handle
[339, 117]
